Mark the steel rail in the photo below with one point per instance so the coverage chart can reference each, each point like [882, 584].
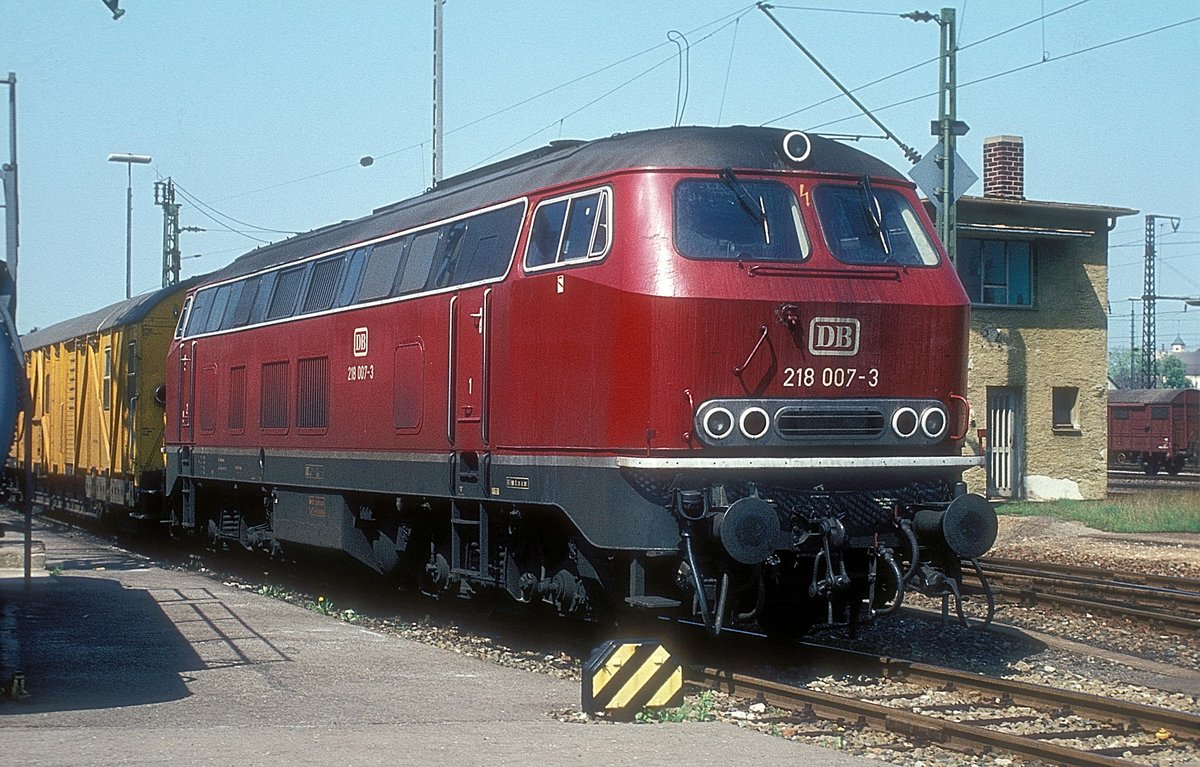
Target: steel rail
[1158, 617]
[1144, 717]
[1163, 600]
[959, 735]
[1138, 715]
[1100, 573]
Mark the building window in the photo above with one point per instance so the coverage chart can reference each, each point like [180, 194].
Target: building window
[1066, 408]
[996, 272]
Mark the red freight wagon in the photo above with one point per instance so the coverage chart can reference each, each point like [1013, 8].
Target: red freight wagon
[1154, 428]
[711, 372]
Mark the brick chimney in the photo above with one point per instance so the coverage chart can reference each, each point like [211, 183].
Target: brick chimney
[1004, 167]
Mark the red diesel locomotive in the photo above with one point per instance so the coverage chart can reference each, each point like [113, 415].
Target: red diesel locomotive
[709, 372]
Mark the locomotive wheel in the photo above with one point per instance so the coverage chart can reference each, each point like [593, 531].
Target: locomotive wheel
[1175, 466]
[1152, 465]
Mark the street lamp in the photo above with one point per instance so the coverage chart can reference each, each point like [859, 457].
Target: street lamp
[129, 160]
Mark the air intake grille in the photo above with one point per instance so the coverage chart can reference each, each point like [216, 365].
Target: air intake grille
[274, 411]
[797, 423]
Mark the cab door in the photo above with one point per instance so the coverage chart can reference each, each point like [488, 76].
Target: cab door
[185, 383]
[186, 404]
[467, 415]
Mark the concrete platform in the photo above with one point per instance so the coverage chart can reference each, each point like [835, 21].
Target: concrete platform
[128, 663]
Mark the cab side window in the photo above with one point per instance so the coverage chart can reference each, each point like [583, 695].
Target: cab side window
[571, 229]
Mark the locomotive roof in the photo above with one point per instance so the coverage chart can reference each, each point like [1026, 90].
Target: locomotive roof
[738, 147]
[121, 313]
[1147, 396]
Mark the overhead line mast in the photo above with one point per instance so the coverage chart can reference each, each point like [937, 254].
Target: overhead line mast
[1149, 317]
[437, 91]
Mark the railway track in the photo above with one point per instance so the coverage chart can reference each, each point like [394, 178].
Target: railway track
[973, 713]
[1160, 600]
[1132, 481]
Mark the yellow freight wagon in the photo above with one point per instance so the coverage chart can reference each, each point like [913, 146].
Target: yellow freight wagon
[97, 392]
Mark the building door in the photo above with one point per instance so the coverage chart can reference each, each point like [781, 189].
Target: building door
[1005, 441]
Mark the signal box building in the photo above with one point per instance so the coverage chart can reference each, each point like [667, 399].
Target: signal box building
[1037, 276]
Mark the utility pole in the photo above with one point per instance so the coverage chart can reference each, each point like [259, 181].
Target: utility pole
[8, 316]
[437, 91]
[164, 196]
[1149, 344]
[12, 218]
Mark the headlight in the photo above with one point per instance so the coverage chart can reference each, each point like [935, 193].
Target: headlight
[933, 422]
[905, 422]
[754, 422]
[718, 423]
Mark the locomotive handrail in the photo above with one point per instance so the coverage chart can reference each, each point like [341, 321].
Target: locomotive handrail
[737, 371]
[451, 372]
[485, 375]
[966, 417]
[883, 462]
[773, 270]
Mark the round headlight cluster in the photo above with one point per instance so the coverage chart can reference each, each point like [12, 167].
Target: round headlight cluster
[931, 422]
[719, 422]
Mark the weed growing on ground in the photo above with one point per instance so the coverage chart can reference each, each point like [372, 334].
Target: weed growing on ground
[272, 591]
[1160, 512]
[323, 606]
[701, 710]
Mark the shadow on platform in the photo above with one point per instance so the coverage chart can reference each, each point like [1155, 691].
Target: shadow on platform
[90, 642]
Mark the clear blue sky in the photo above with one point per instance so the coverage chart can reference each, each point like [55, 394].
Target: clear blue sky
[261, 110]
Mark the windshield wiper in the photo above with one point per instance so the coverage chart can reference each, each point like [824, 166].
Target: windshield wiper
[758, 211]
[874, 215]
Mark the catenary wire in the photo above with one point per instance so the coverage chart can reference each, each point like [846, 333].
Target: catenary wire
[1023, 67]
[735, 15]
[920, 64]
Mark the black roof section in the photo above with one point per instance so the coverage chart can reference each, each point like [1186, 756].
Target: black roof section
[121, 313]
[560, 162]
[1148, 396]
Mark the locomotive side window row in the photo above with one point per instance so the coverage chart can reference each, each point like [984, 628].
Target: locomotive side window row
[570, 229]
[468, 250]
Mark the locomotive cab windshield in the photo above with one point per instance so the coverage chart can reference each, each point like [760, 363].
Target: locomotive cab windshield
[733, 218]
[866, 225]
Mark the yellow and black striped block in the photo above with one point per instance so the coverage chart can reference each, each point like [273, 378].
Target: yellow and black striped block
[622, 678]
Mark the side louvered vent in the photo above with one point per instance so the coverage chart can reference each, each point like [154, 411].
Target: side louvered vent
[312, 393]
[237, 398]
[274, 413]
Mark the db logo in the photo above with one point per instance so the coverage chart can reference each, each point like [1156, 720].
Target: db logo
[833, 336]
[360, 342]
